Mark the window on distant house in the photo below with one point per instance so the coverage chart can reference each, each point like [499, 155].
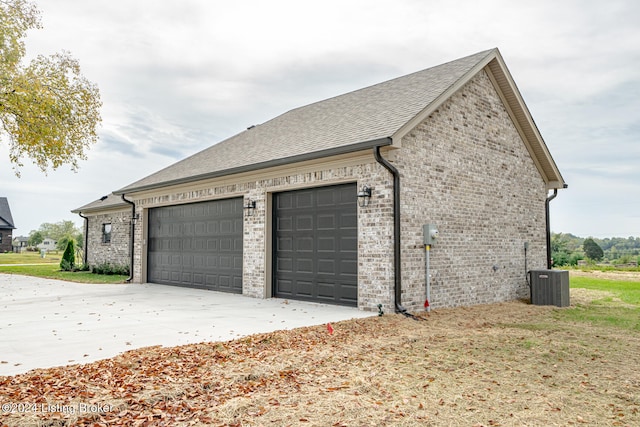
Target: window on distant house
[0, 238]
[106, 233]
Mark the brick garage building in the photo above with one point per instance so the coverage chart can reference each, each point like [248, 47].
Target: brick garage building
[107, 231]
[274, 211]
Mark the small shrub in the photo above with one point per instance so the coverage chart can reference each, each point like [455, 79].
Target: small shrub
[83, 267]
[108, 268]
[68, 258]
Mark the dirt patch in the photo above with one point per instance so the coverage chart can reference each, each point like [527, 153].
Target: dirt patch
[500, 364]
[631, 276]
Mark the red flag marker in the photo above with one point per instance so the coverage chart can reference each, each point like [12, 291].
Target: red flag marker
[426, 303]
[330, 328]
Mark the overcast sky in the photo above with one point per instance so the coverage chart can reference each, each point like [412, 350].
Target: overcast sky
[178, 76]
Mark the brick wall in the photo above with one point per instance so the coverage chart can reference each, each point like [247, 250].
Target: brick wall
[115, 252]
[467, 170]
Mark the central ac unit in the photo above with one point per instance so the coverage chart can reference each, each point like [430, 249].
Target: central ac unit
[550, 287]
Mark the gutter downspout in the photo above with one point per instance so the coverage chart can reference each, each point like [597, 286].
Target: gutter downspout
[131, 237]
[396, 229]
[546, 211]
[86, 238]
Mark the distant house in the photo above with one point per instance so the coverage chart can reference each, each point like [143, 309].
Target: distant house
[20, 244]
[48, 244]
[108, 233]
[6, 226]
[332, 202]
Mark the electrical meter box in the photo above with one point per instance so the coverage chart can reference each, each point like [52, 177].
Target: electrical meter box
[430, 234]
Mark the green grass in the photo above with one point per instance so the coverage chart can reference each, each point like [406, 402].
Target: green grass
[607, 311]
[52, 271]
[603, 315]
[627, 291]
[49, 267]
[29, 258]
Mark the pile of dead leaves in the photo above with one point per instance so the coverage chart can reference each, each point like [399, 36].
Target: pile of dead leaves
[504, 364]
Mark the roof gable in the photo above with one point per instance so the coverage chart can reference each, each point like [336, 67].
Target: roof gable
[110, 201]
[6, 220]
[373, 116]
[506, 87]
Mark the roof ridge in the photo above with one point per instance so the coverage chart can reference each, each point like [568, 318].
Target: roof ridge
[483, 53]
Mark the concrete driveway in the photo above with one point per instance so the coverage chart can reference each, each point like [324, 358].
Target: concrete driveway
[45, 323]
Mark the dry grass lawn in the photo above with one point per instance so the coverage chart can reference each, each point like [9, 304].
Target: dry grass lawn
[502, 364]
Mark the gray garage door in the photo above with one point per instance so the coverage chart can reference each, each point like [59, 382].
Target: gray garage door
[197, 245]
[316, 245]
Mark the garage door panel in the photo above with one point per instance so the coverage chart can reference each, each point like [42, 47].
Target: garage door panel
[284, 265]
[284, 223]
[225, 282]
[226, 227]
[348, 268]
[187, 260]
[348, 220]
[326, 222]
[304, 265]
[305, 244]
[350, 293]
[285, 201]
[212, 245]
[197, 245]
[285, 287]
[213, 227]
[326, 291]
[198, 279]
[326, 244]
[212, 262]
[284, 244]
[327, 266]
[304, 289]
[348, 244]
[303, 199]
[226, 245]
[304, 223]
[226, 262]
[315, 244]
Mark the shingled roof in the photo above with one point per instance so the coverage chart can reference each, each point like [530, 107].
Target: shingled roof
[110, 201]
[6, 220]
[374, 116]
